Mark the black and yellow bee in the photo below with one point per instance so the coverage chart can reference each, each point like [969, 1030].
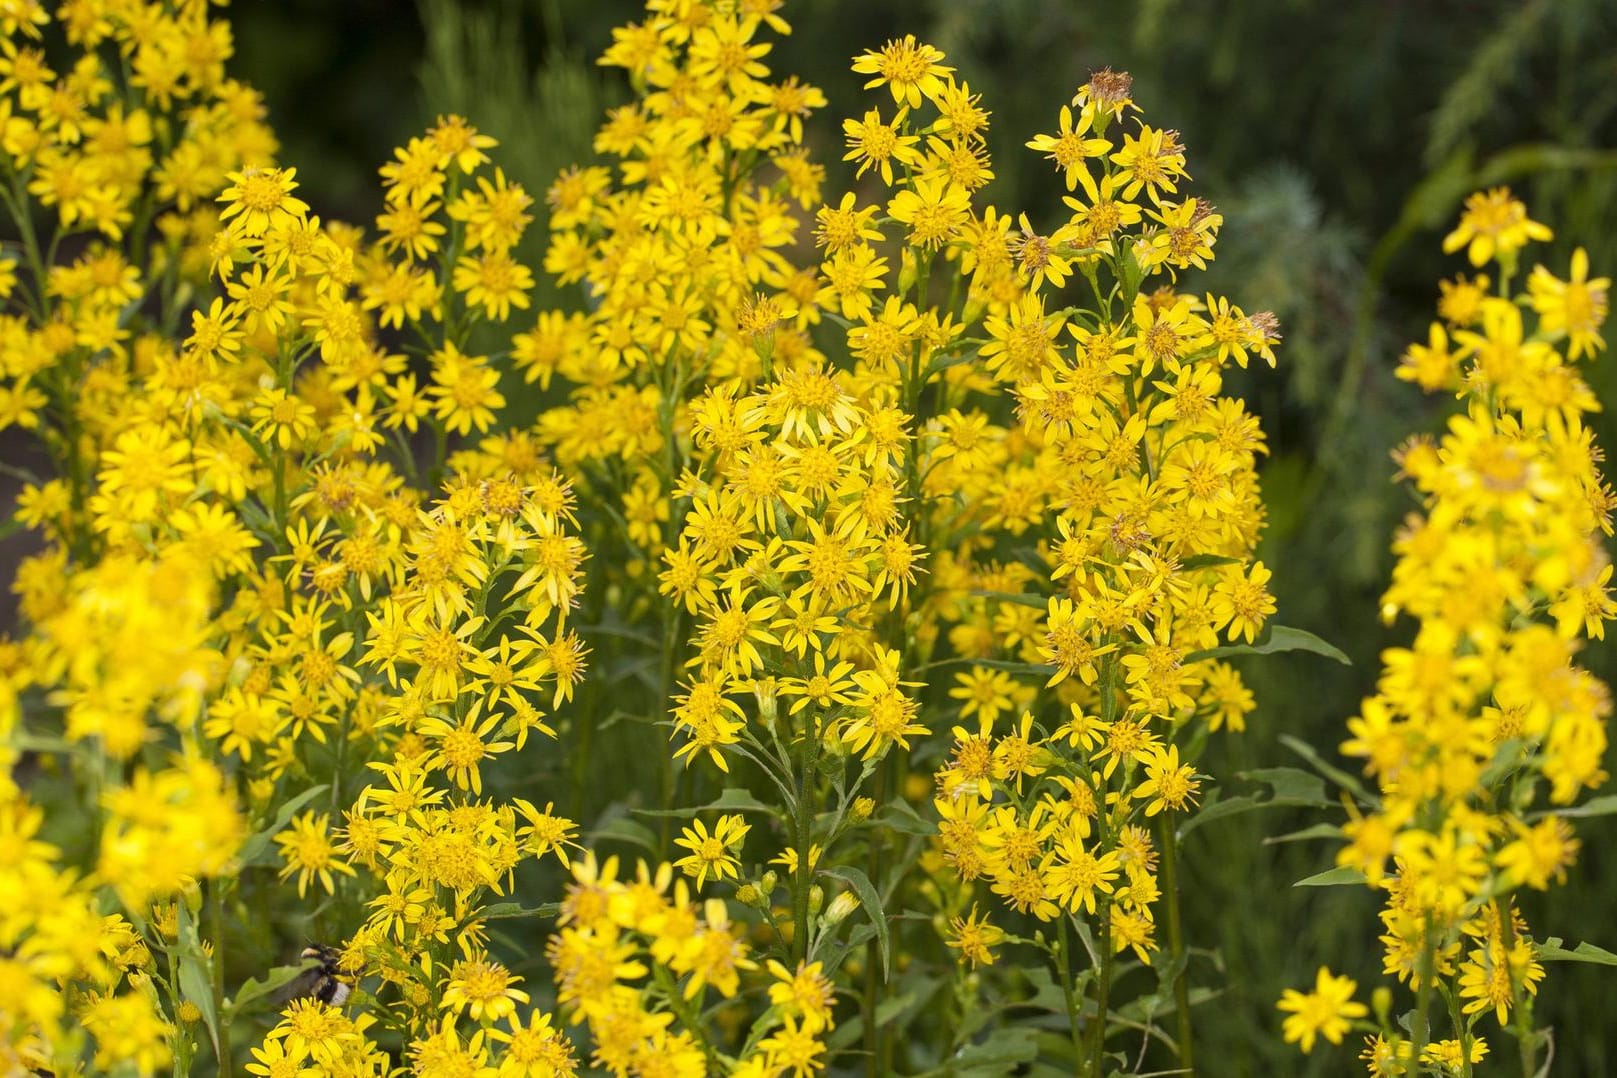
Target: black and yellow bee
[324, 980]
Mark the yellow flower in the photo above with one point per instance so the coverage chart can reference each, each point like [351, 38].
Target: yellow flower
[1169, 784]
[307, 850]
[483, 989]
[712, 852]
[975, 937]
[934, 208]
[495, 282]
[877, 145]
[1327, 1011]
[261, 199]
[1493, 224]
[909, 69]
[1575, 307]
[535, 1050]
[1069, 148]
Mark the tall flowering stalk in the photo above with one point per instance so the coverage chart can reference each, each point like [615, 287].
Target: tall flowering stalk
[1483, 731]
[1101, 541]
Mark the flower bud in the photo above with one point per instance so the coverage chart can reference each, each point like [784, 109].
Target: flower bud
[842, 905]
[862, 808]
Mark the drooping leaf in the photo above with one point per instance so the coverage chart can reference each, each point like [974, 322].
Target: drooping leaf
[1036, 602]
[1276, 638]
[1331, 771]
[1289, 785]
[1551, 950]
[256, 850]
[257, 988]
[901, 817]
[1319, 830]
[1596, 806]
[1335, 877]
[873, 908]
[505, 910]
[731, 799]
[196, 974]
[1207, 561]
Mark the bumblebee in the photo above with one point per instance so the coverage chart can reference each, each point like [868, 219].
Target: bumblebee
[325, 979]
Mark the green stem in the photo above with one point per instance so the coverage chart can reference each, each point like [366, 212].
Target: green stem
[801, 824]
[1521, 1003]
[1103, 989]
[1460, 1032]
[216, 930]
[1064, 963]
[18, 203]
[688, 1011]
[873, 1037]
[1423, 1000]
[1176, 940]
[665, 694]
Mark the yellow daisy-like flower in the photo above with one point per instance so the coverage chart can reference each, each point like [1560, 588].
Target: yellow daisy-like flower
[1493, 225]
[307, 850]
[484, 989]
[1327, 1011]
[1575, 307]
[712, 852]
[909, 69]
[261, 199]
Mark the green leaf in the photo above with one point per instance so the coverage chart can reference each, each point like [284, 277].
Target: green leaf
[1291, 786]
[503, 910]
[1332, 878]
[893, 1006]
[256, 850]
[1331, 771]
[1275, 638]
[1037, 602]
[731, 799]
[1319, 830]
[1218, 810]
[256, 988]
[1128, 273]
[900, 816]
[1552, 951]
[1000, 1054]
[1206, 561]
[196, 974]
[624, 829]
[947, 358]
[873, 908]
[1599, 806]
[1043, 670]
[737, 799]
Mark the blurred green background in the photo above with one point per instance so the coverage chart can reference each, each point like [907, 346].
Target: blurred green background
[1338, 139]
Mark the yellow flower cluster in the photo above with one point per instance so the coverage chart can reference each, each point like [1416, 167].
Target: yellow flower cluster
[761, 484]
[853, 470]
[243, 602]
[1484, 727]
[113, 152]
[1133, 478]
[615, 933]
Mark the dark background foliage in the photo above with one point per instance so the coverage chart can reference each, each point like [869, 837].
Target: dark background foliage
[1338, 139]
